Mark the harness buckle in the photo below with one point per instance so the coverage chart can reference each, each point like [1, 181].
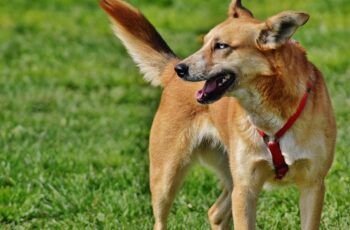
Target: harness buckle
[269, 139]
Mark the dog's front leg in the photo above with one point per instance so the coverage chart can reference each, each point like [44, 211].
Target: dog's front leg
[244, 202]
[311, 202]
[244, 199]
[248, 178]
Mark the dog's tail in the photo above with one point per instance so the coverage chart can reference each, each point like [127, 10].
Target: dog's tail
[143, 42]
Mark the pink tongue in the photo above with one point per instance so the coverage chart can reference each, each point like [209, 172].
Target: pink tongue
[200, 94]
[209, 87]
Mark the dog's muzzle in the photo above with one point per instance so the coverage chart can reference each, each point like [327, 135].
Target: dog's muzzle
[216, 87]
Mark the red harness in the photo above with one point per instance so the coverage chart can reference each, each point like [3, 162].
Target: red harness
[272, 142]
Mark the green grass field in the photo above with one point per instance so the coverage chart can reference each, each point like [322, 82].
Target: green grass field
[75, 115]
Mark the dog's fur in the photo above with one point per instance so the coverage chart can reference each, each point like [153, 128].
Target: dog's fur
[271, 73]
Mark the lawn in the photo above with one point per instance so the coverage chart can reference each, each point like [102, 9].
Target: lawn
[75, 115]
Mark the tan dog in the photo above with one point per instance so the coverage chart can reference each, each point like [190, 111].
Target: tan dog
[268, 82]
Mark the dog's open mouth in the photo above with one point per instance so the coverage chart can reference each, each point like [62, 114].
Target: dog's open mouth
[216, 87]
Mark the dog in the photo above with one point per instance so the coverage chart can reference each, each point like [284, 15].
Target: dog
[248, 104]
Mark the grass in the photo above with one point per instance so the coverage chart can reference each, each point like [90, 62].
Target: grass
[75, 116]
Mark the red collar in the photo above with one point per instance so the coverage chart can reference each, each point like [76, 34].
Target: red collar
[272, 142]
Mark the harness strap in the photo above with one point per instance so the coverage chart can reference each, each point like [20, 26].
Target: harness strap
[272, 143]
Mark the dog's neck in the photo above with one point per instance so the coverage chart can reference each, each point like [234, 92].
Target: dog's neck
[273, 99]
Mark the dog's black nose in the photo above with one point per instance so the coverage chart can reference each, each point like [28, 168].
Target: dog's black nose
[181, 70]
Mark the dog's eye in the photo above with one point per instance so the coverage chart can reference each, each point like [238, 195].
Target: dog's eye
[220, 46]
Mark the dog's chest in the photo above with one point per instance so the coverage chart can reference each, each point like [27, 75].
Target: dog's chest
[293, 150]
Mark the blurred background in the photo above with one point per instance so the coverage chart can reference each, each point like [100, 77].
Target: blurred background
[75, 115]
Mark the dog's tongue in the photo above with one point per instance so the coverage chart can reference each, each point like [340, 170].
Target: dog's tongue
[209, 87]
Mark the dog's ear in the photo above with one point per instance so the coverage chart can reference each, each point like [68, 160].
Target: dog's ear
[278, 29]
[237, 10]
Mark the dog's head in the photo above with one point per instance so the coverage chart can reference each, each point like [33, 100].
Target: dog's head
[235, 51]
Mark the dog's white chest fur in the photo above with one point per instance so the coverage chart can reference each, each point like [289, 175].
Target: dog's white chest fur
[292, 148]
[205, 131]
[293, 151]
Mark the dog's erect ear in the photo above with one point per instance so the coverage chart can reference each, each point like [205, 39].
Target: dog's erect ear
[237, 10]
[278, 29]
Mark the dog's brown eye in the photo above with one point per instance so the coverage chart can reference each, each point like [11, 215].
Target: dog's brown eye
[220, 46]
